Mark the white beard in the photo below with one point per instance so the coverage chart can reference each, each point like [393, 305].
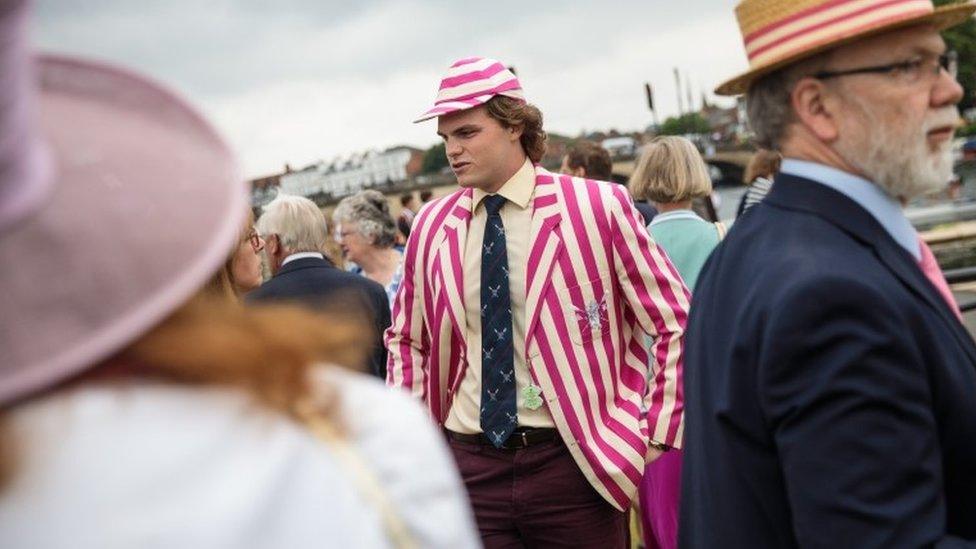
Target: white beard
[897, 159]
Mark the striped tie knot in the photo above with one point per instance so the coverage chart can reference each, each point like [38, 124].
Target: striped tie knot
[494, 203]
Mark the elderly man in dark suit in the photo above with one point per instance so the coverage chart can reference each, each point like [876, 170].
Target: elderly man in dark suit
[830, 387]
[295, 234]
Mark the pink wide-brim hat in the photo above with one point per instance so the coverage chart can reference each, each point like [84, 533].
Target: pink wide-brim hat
[471, 82]
[118, 202]
[778, 33]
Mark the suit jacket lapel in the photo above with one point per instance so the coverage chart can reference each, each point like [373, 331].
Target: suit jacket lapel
[545, 243]
[800, 194]
[905, 268]
[450, 253]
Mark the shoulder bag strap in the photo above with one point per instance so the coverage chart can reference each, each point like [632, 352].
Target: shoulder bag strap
[720, 227]
[396, 530]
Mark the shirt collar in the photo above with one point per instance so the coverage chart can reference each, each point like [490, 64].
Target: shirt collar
[518, 189]
[674, 214]
[301, 255]
[882, 206]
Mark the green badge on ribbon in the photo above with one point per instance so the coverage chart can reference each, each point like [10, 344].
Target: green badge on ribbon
[532, 396]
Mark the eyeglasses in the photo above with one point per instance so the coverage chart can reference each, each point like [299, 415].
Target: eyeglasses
[257, 243]
[910, 72]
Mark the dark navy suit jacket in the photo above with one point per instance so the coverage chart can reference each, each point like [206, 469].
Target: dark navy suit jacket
[830, 392]
[318, 283]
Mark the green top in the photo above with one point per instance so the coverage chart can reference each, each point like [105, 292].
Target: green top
[687, 239]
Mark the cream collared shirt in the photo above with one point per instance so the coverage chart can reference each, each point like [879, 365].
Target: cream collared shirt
[465, 416]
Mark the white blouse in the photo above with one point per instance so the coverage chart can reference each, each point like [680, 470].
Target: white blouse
[155, 465]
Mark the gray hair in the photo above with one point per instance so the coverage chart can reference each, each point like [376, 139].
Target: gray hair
[370, 210]
[297, 221]
[769, 105]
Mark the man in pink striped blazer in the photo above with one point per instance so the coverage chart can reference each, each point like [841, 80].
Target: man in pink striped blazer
[533, 310]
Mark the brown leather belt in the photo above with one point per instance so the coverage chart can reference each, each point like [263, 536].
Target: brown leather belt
[521, 438]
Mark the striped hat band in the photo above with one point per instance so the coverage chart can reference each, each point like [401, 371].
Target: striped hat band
[472, 82]
[777, 33]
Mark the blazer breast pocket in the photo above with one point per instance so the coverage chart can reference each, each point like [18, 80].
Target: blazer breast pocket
[586, 308]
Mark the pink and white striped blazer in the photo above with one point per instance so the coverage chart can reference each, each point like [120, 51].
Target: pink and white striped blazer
[596, 286]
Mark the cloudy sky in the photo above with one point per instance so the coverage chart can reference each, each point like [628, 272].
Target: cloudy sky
[300, 80]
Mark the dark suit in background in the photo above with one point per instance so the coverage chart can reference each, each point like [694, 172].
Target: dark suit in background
[646, 210]
[830, 392]
[318, 283]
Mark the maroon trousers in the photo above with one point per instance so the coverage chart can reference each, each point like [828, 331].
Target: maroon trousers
[536, 497]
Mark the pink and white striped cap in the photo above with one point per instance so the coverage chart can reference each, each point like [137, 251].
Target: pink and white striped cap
[472, 82]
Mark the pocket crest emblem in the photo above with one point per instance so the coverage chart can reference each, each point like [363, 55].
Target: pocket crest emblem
[594, 314]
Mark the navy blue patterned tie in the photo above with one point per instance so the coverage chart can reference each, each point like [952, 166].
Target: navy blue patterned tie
[498, 413]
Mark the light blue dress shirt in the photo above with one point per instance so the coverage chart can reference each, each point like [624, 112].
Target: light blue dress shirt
[882, 206]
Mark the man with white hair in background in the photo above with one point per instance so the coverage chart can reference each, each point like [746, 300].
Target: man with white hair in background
[830, 386]
[295, 236]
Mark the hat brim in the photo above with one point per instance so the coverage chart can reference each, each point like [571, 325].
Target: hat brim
[451, 107]
[145, 205]
[942, 18]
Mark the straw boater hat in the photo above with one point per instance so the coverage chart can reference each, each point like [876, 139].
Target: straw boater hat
[777, 33]
[472, 82]
[118, 201]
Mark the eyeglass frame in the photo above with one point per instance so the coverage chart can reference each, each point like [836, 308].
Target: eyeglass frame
[947, 61]
[255, 239]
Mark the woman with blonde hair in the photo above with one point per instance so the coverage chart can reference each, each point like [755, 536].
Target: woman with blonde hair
[671, 174]
[241, 272]
[138, 411]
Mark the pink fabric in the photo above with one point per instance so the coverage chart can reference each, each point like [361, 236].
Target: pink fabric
[810, 28]
[24, 160]
[472, 82]
[473, 76]
[813, 10]
[934, 273]
[413, 353]
[587, 248]
[118, 201]
[660, 498]
[480, 96]
[663, 272]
